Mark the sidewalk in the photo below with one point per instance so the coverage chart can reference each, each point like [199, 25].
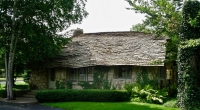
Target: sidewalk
[24, 106]
[25, 97]
[21, 100]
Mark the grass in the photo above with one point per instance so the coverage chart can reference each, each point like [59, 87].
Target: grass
[107, 106]
[19, 82]
[171, 103]
[18, 78]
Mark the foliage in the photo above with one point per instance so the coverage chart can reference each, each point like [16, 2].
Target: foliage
[29, 30]
[148, 94]
[21, 87]
[163, 17]
[1, 93]
[100, 79]
[171, 103]
[107, 106]
[172, 90]
[26, 76]
[191, 43]
[140, 28]
[188, 58]
[129, 88]
[143, 79]
[63, 84]
[81, 95]
[85, 85]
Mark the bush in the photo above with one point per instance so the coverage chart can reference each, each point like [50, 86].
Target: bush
[1, 93]
[21, 87]
[63, 84]
[81, 95]
[85, 85]
[146, 94]
[171, 103]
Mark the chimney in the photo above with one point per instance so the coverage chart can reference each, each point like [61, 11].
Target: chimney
[77, 32]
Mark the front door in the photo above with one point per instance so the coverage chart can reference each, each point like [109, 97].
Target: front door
[52, 78]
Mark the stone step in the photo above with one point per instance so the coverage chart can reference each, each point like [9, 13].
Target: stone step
[28, 96]
[30, 93]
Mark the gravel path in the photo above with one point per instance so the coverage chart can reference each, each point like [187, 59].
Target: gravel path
[17, 106]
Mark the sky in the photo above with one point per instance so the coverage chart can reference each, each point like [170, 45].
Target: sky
[108, 16]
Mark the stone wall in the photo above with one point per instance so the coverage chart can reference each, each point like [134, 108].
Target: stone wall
[118, 83]
[61, 73]
[39, 79]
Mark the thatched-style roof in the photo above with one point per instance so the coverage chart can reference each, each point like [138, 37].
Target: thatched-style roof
[112, 48]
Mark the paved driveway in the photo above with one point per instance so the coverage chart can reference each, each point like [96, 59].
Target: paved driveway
[18, 106]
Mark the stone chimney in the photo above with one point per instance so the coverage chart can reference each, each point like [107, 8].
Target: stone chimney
[77, 32]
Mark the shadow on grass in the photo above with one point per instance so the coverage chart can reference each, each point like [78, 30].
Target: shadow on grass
[107, 106]
[141, 106]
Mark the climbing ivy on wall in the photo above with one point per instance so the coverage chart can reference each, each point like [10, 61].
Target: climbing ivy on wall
[189, 58]
[101, 78]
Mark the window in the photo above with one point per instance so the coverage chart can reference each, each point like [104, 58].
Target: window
[81, 74]
[161, 72]
[52, 74]
[123, 72]
[72, 75]
[90, 72]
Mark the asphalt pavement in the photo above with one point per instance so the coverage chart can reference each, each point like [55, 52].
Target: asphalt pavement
[19, 106]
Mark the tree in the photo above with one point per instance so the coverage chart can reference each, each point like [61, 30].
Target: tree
[163, 17]
[141, 28]
[180, 23]
[189, 58]
[28, 29]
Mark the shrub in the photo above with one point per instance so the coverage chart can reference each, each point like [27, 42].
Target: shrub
[171, 103]
[1, 93]
[21, 87]
[63, 84]
[146, 94]
[81, 95]
[85, 85]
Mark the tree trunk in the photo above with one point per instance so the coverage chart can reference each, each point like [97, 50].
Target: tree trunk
[6, 68]
[9, 68]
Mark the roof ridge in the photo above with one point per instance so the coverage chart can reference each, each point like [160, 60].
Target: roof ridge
[112, 32]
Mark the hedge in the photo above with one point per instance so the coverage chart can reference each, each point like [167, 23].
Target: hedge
[81, 95]
[1, 93]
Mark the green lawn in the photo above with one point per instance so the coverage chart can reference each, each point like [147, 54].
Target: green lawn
[18, 78]
[19, 82]
[107, 106]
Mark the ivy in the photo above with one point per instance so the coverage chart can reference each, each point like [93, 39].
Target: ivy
[188, 58]
[192, 43]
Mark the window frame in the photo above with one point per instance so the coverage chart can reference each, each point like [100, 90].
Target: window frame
[52, 74]
[123, 71]
[82, 71]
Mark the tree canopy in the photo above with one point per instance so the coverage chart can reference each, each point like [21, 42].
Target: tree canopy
[179, 20]
[163, 17]
[28, 29]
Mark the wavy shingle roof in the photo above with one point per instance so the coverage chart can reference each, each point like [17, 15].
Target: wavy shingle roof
[112, 48]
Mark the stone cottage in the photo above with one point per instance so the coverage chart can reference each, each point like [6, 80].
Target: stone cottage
[123, 54]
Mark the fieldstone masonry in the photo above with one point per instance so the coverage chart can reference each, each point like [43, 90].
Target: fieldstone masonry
[39, 79]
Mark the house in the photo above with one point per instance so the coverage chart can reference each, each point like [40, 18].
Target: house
[123, 54]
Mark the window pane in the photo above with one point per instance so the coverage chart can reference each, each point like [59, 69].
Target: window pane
[81, 72]
[52, 75]
[129, 71]
[72, 75]
[90, 73]
[161, 72]
[124, 72]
